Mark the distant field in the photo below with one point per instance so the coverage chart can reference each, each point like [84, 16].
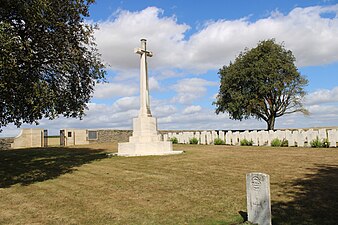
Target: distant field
[205, 185]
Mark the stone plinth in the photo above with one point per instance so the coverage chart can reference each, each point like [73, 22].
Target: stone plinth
[145, 140]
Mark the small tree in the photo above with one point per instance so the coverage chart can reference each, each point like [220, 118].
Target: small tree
[263, 83]
[48, 60]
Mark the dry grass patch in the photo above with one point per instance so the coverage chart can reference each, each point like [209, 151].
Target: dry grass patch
[206, 185]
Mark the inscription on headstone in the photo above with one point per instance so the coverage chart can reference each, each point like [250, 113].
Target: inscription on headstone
[258, 198]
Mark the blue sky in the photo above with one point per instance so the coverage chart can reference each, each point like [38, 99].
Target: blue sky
[191, 40]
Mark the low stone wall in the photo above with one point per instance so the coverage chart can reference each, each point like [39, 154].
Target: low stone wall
[29, 138]
[53, 141]
[5, 143]
[104, 136]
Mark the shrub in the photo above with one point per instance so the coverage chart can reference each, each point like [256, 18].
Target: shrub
[245, 142]
[285, 143]
[276, 142]
[219, 141]
[174, 140]
[326, 143]
[193, 141]
[320, 144]
[316, 143]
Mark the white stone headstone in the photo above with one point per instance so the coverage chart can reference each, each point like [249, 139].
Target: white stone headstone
[180, 138]
[253, 135]
[197, 135]
[333, 137]
[235, 139]
[322, 134]
[203, 138]
[209, 138]
[280, 134]
[271, 136]
[311, 136]
[221, 135]
[258, 198]
[214, 135]
[228, 137]
[241, 136]
[246, 135]
[261, 138]
[290, 138]
[300, 138]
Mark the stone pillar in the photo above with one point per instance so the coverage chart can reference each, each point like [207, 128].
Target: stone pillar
[145, 139]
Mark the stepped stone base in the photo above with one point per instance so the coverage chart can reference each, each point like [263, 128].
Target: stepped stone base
[145, 140]
[147, 148]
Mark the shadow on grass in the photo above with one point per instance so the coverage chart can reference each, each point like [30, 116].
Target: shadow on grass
[315, 199]
[28, 166]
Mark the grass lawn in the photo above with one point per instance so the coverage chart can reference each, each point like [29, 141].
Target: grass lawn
[205, 185]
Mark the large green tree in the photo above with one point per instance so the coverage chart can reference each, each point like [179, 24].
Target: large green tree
[263, 83]
[48, 60]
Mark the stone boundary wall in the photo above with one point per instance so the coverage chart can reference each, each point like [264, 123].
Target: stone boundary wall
[299, 138]
[29, 138]
[104, 136]
[5, 143]
[111, 135]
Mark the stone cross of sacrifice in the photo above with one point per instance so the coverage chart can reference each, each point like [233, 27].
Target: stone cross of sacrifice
[144, 87]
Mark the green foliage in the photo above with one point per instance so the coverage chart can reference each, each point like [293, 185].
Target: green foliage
[245, 142]
[48, 59]
[174, 140]
[276, 143]
[219, 141]
[317, 143]
[326, 143]
[263, 83]
[284, 143]
[193, 141]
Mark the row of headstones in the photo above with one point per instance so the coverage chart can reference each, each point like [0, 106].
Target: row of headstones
[300, 138]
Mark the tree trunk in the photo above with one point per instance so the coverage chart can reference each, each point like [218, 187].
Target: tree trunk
[271, 123]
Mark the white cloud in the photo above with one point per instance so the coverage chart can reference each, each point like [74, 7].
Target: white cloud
[126, 104]
[118, 37]
[311, 37]
[153, 84]
[327, 110]
[192, 109]
[322, 96]
[110, 90]
[190, 89]
[164, 110]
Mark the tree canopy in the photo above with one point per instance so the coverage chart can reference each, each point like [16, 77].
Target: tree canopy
[263, 83]
[48, 60]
